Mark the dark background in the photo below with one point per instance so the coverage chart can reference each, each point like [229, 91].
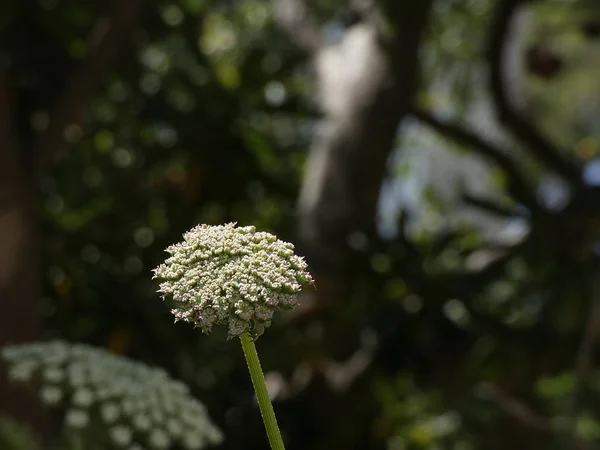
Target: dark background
[434, 160]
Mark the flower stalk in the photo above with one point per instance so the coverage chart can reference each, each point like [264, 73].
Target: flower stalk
[262, 395]
[238, 277]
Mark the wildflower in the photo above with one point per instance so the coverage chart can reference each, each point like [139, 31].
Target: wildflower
[236, 277]
[233, 276]
[98, 388]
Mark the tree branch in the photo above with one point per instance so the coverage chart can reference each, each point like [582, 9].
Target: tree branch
[19, 284]
[295, 19]
[489, 206]
[363, 99]
[520, 126]
[514, 408]
[523, 414]
[105, 41]
[518, 185]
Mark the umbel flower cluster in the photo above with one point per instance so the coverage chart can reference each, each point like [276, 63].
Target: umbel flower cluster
[231, 275]
[129, 404]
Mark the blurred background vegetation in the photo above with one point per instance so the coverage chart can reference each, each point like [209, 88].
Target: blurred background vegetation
[436, 161]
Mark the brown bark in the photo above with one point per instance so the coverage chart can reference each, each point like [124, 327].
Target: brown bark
[20, 319]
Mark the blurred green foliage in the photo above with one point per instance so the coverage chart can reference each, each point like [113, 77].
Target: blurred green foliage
[206, 118]
[15, 436]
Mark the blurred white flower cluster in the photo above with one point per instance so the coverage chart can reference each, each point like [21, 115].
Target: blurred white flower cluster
[231, 275]
[138, 406]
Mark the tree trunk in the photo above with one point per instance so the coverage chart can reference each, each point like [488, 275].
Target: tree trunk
[20, 318]
[368, 81]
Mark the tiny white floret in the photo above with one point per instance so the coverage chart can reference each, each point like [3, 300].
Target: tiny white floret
[51, 395]
[159, 440]
[76, 418]
[121, 435]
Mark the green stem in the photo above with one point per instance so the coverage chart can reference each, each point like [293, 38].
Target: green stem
[264, 402]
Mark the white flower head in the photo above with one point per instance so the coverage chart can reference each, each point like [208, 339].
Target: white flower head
[129, 399]
[231, 275]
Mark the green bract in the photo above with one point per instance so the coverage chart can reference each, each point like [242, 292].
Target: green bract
[231, 275]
